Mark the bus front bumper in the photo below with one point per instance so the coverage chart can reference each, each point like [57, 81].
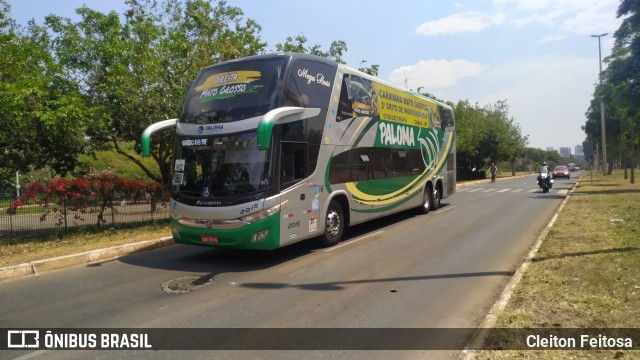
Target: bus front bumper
[261, 235]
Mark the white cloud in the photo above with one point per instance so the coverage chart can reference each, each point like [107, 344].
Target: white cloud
[525, 4]
[468, 21]
[580, 17]
[592, 21]
[436, 74]
[547, 95]
[548, 18]
[551, 38]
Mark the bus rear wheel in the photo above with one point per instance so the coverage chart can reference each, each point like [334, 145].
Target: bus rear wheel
[437, 196]
[334, 224]
[427, 200]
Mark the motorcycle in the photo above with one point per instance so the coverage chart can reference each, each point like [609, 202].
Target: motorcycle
[545, 181]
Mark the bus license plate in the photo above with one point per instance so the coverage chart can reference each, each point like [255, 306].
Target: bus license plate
[211, 239]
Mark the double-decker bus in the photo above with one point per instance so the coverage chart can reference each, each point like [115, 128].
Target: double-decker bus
[274, 149]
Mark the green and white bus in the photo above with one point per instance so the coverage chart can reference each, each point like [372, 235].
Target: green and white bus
[274, 149]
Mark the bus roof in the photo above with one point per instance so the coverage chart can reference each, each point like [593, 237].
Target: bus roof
[341, 67]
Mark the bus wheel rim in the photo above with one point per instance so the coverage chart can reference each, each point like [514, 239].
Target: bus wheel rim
[333, 223]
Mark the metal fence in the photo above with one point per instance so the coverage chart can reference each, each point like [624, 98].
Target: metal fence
[51, 215]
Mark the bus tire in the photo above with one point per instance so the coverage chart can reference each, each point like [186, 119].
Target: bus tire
[334, 224]
[436, 197]
[427, 200]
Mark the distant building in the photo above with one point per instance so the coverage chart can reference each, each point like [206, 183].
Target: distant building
[578, 150]
[550, 149]
[565, 152]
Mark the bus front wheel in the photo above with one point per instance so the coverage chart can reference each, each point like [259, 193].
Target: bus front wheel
[334, 224]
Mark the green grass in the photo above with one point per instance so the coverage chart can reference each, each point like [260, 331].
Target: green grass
[37, 247]
[586, 273]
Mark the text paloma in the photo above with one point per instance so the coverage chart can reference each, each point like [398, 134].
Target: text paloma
[396, 135]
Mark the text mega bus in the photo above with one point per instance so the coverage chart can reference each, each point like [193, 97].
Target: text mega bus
[274, 149]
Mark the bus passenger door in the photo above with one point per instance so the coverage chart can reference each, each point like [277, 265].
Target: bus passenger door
[295, 222]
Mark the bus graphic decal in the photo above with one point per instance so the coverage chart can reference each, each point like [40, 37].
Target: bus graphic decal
[228, 84]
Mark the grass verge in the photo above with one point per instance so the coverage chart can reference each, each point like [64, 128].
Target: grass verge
[37, 247]
[586, 273]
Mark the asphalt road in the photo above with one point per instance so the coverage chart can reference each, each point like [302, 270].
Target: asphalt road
[441, 270]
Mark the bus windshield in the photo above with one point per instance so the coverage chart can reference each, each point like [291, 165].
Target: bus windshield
[234, 91]
[220, 166]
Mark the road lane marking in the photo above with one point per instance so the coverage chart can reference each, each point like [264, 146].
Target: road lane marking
[440, 211]
[503, 190]
[563, 191]
[476, 189]
[488, 190]
[354, 241]
[517, 190]
[31, 355]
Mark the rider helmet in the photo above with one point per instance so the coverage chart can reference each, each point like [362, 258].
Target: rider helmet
[544, 163]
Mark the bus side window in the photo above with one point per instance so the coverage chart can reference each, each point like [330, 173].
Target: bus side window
[345, 107]
[293, 164]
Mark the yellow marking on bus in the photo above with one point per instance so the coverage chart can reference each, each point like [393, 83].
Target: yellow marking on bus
[364, 121]
[367, 199]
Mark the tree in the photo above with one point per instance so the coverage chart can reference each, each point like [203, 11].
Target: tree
[371, 70]
[299, 45]
[136, 72]
[42, 113]
[486, 134]
[620, 89]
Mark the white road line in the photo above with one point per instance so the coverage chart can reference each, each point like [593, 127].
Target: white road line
[503, 190]
[354, 241]
[474, 190]
[563, 191]
[532, 190]
[517, 190]
[488, 190]
[440, 211]
[31, 355]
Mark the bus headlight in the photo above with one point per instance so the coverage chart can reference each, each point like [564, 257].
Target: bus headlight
[259, 235]
[255, 217]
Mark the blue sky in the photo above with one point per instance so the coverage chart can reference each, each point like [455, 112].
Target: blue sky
[537, 55]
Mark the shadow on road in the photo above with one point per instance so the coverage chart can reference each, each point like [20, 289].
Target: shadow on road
[197, 259]
[339, 285]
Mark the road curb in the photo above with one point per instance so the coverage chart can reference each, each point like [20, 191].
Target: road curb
[498, 307]
[61, 262]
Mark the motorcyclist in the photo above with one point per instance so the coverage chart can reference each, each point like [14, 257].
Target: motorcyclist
[544, 168]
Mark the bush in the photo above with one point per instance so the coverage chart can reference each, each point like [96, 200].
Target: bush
[467, 174]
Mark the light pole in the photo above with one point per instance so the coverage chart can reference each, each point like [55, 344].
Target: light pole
[604, 140]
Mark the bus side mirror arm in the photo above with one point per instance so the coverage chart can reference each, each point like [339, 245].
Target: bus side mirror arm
[145, 139]
[281, 115]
